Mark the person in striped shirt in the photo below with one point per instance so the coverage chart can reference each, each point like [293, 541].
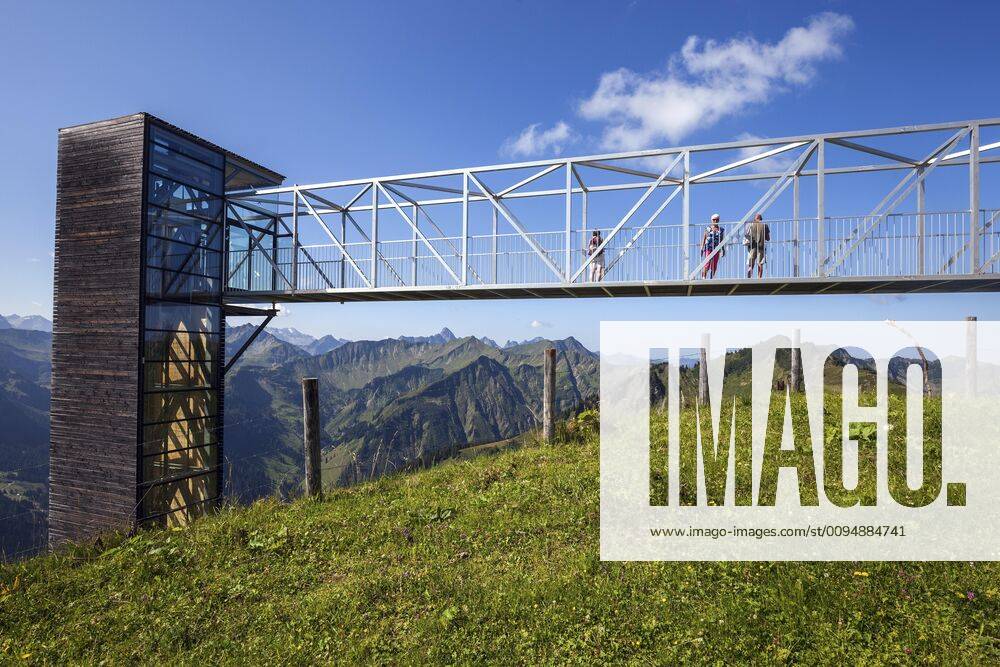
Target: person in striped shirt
[710, 240]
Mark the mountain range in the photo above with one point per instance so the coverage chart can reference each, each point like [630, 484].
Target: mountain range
[25, 322]
[386, 404]
[25, 374]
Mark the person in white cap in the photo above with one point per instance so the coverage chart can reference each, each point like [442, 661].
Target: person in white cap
[710, 240]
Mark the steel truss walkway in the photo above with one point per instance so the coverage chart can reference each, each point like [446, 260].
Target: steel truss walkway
[521, 230]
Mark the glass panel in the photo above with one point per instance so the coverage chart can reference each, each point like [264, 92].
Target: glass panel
[184, 169]
[178, 435]
[184, 198]
[180, 370]
[238, 239]
[176, 405]
[176, 495]
[182, 317]
[174, 142]
[179, 375]
[170, 464]
[181, 285]
[177, 226]
[181, 257]
[162, 345]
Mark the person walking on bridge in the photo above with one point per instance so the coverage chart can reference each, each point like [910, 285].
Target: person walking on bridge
[710, 240]
[597, 264]
[755, 239]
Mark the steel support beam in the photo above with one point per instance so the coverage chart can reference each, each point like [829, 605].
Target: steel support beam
[513, 221]
[249, 341]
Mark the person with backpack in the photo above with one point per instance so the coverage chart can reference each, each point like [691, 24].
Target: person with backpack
[597, 265]
[755, 239]
[710, 240]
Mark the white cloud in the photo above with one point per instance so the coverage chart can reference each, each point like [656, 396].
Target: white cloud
[531, 141]
[538, 324]
[283, 310]
[33, 260]
[708, 81]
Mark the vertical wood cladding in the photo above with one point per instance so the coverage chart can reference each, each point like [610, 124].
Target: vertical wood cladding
[96, 329]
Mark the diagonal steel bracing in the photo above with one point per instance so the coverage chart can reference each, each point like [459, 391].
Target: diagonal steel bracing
[420, 234]
[346, 255]
[897, 195]
[625, 218]
[506, 213]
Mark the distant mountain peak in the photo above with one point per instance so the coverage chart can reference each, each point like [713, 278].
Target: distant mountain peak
[293, 336]
[325, 344]
[26, 322]
[515, 343]
[444, 336]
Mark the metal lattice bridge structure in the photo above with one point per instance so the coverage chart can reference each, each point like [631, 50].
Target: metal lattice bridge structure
[848, 212]
[161, 235]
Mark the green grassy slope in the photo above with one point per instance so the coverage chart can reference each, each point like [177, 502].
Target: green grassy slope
[489, 559]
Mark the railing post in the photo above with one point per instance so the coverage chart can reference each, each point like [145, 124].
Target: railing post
[921, 231]
[974, 198]
[295, 239]
[416, 222]
[343, 240]
[465, 228]
[311, 437]
[821, 207]
[686, 216]
[494, 253]
[274, 253]
[374, 234]
[249, 262]
[795, 372]
[549, 396]
[569, 218]
[585, 215]
[795, 225]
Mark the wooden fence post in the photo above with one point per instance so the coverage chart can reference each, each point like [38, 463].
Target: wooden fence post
[310, 437]
[971, 355]
[549, 396]
[703, 371]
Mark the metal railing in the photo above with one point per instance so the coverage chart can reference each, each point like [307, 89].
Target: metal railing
[897, 245]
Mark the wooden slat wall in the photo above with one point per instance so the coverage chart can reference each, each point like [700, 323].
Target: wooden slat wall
[96, 331]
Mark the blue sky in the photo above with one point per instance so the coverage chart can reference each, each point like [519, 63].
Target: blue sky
[324, 91]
